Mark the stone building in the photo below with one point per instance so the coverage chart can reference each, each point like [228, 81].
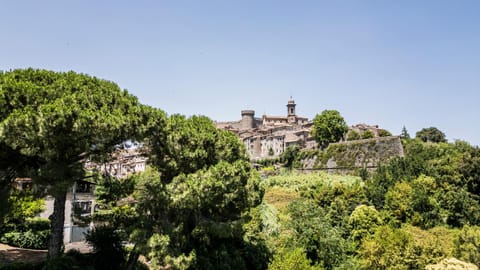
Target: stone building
[290, 119]
[125, 161]
[268, 136]
[80, 200]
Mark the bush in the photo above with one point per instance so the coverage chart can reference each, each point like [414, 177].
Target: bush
[290, 155]
[107, 246]
[61, 263]
[37, 224]
[291, 259]
[467, 244]
[384, 133]
[353, 135]
[28, 239]
[368, 134]
[23, 205]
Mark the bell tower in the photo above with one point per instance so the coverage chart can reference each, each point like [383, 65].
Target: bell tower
[292, 117]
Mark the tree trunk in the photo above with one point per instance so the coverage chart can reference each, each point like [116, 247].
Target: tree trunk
[57, 220]
[132, 259]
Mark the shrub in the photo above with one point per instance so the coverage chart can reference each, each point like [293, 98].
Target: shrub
[368, 134]
[37, 224]
[384, 133]
[291, 259]
[107, 245]
[28, 239]
[61, 263]
[353, 135]
[467, 244]
[23, 205]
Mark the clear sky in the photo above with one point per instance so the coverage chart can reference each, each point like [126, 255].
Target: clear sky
[391, 63]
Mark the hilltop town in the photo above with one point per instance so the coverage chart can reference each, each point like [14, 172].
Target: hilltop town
[200, 204]
[269, 136]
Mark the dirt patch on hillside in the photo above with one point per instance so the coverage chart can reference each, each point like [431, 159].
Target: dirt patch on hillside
[9, 254]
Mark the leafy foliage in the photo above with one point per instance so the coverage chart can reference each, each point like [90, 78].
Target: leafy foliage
[289, 155]
[405, 248]
[328, 127]
[367, 134]
[352, 135]
[467, 244]
[431, 134]
[363, 222]
[190, 144]
[384, 133]
[202, 212]
[405, 135]
[397, 201]
[339, 199]
[27, 239]
[191, 209]
[411, 212]
[323, 243]
[295, 258]
[21, 227]
[311, 223]
[60, 119]
[303, 182]
[23, 207]
[199, 205]
[107, 246]
[13, 164]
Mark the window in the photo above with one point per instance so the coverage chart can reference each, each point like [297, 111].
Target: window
[83, 208]
[83, 187]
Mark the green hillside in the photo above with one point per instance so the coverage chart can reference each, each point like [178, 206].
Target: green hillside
[412, 212]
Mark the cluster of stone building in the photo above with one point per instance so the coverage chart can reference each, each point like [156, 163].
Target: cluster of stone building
[124, 162]
[269, 136]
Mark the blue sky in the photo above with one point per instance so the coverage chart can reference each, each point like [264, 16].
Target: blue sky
[391, 63]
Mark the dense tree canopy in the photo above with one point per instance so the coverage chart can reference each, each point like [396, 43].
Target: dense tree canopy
[192, 205]
[412, 212]
[12, 165]
[190, 209]
[61, 119]
[201, 205]
[186, 145]
[431, 134]
[328, 127]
